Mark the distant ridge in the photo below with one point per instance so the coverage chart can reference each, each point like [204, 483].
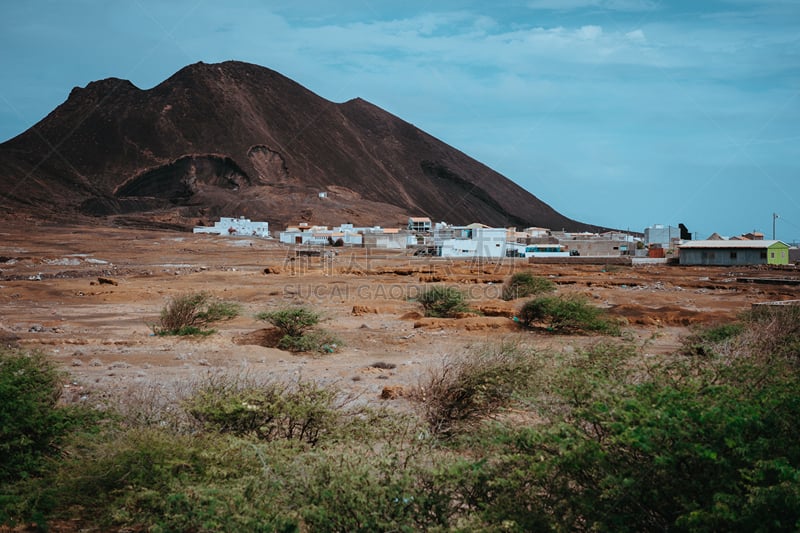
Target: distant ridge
[233, 139]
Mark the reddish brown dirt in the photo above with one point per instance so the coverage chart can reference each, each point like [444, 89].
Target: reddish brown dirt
[51, 299]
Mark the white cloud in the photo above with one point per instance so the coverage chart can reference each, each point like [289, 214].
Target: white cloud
[636, 36]
[589, 32]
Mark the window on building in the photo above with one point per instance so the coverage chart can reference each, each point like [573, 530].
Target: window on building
[763, 255]
[772, 255]
[733, 255]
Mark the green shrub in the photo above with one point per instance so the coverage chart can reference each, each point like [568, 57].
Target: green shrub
[149, 479]
[293, 322]
[268, 412]
[524, 284]
[361, 490]
[313, 341]
[296, 326]
[191, 314]
[442, 301]
[468, 389]
[566, 315]
[32, 425]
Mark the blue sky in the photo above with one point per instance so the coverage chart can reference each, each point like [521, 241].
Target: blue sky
[621, 113]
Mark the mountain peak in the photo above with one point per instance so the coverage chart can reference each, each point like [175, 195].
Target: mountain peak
[234, 138]
[104, 86]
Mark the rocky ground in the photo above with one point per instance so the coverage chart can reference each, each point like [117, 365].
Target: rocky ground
[88, 296]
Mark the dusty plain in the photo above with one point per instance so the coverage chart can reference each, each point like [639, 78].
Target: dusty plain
[87, 296]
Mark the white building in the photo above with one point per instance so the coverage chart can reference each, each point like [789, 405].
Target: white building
[389, 238]
[236, 227]
[322, 235]
[475, 240]
[535, 232]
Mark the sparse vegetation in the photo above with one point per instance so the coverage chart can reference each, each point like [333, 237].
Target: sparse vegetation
[506, 438]
[192, 314]
[468, 389]
[442, 302]
[704, 339]
[772, 331]
[297, 328]
[523, 284]
[569, 314]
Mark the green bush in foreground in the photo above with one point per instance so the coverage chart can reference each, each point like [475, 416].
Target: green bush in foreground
[684, 449]
[149, 479]
[361, 490]
[524, 284]
[32, 425]
[442, 302]
[302, 412]
[192, 314]
[571, 314]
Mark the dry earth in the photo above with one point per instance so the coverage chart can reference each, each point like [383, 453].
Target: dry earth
[87, 295]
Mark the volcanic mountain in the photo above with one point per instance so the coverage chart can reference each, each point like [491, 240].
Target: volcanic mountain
[233, 139]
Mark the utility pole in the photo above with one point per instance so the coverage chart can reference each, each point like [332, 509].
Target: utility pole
[774, 218]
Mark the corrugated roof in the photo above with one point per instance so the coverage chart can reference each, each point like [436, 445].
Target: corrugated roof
[730, 244]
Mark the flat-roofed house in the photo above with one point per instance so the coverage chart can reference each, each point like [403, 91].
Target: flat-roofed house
[236, 226]
[419, 224]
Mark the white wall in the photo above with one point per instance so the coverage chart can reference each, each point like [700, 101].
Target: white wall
[241, 226]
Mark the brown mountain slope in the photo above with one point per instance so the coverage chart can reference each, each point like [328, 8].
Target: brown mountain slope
[238, 139]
